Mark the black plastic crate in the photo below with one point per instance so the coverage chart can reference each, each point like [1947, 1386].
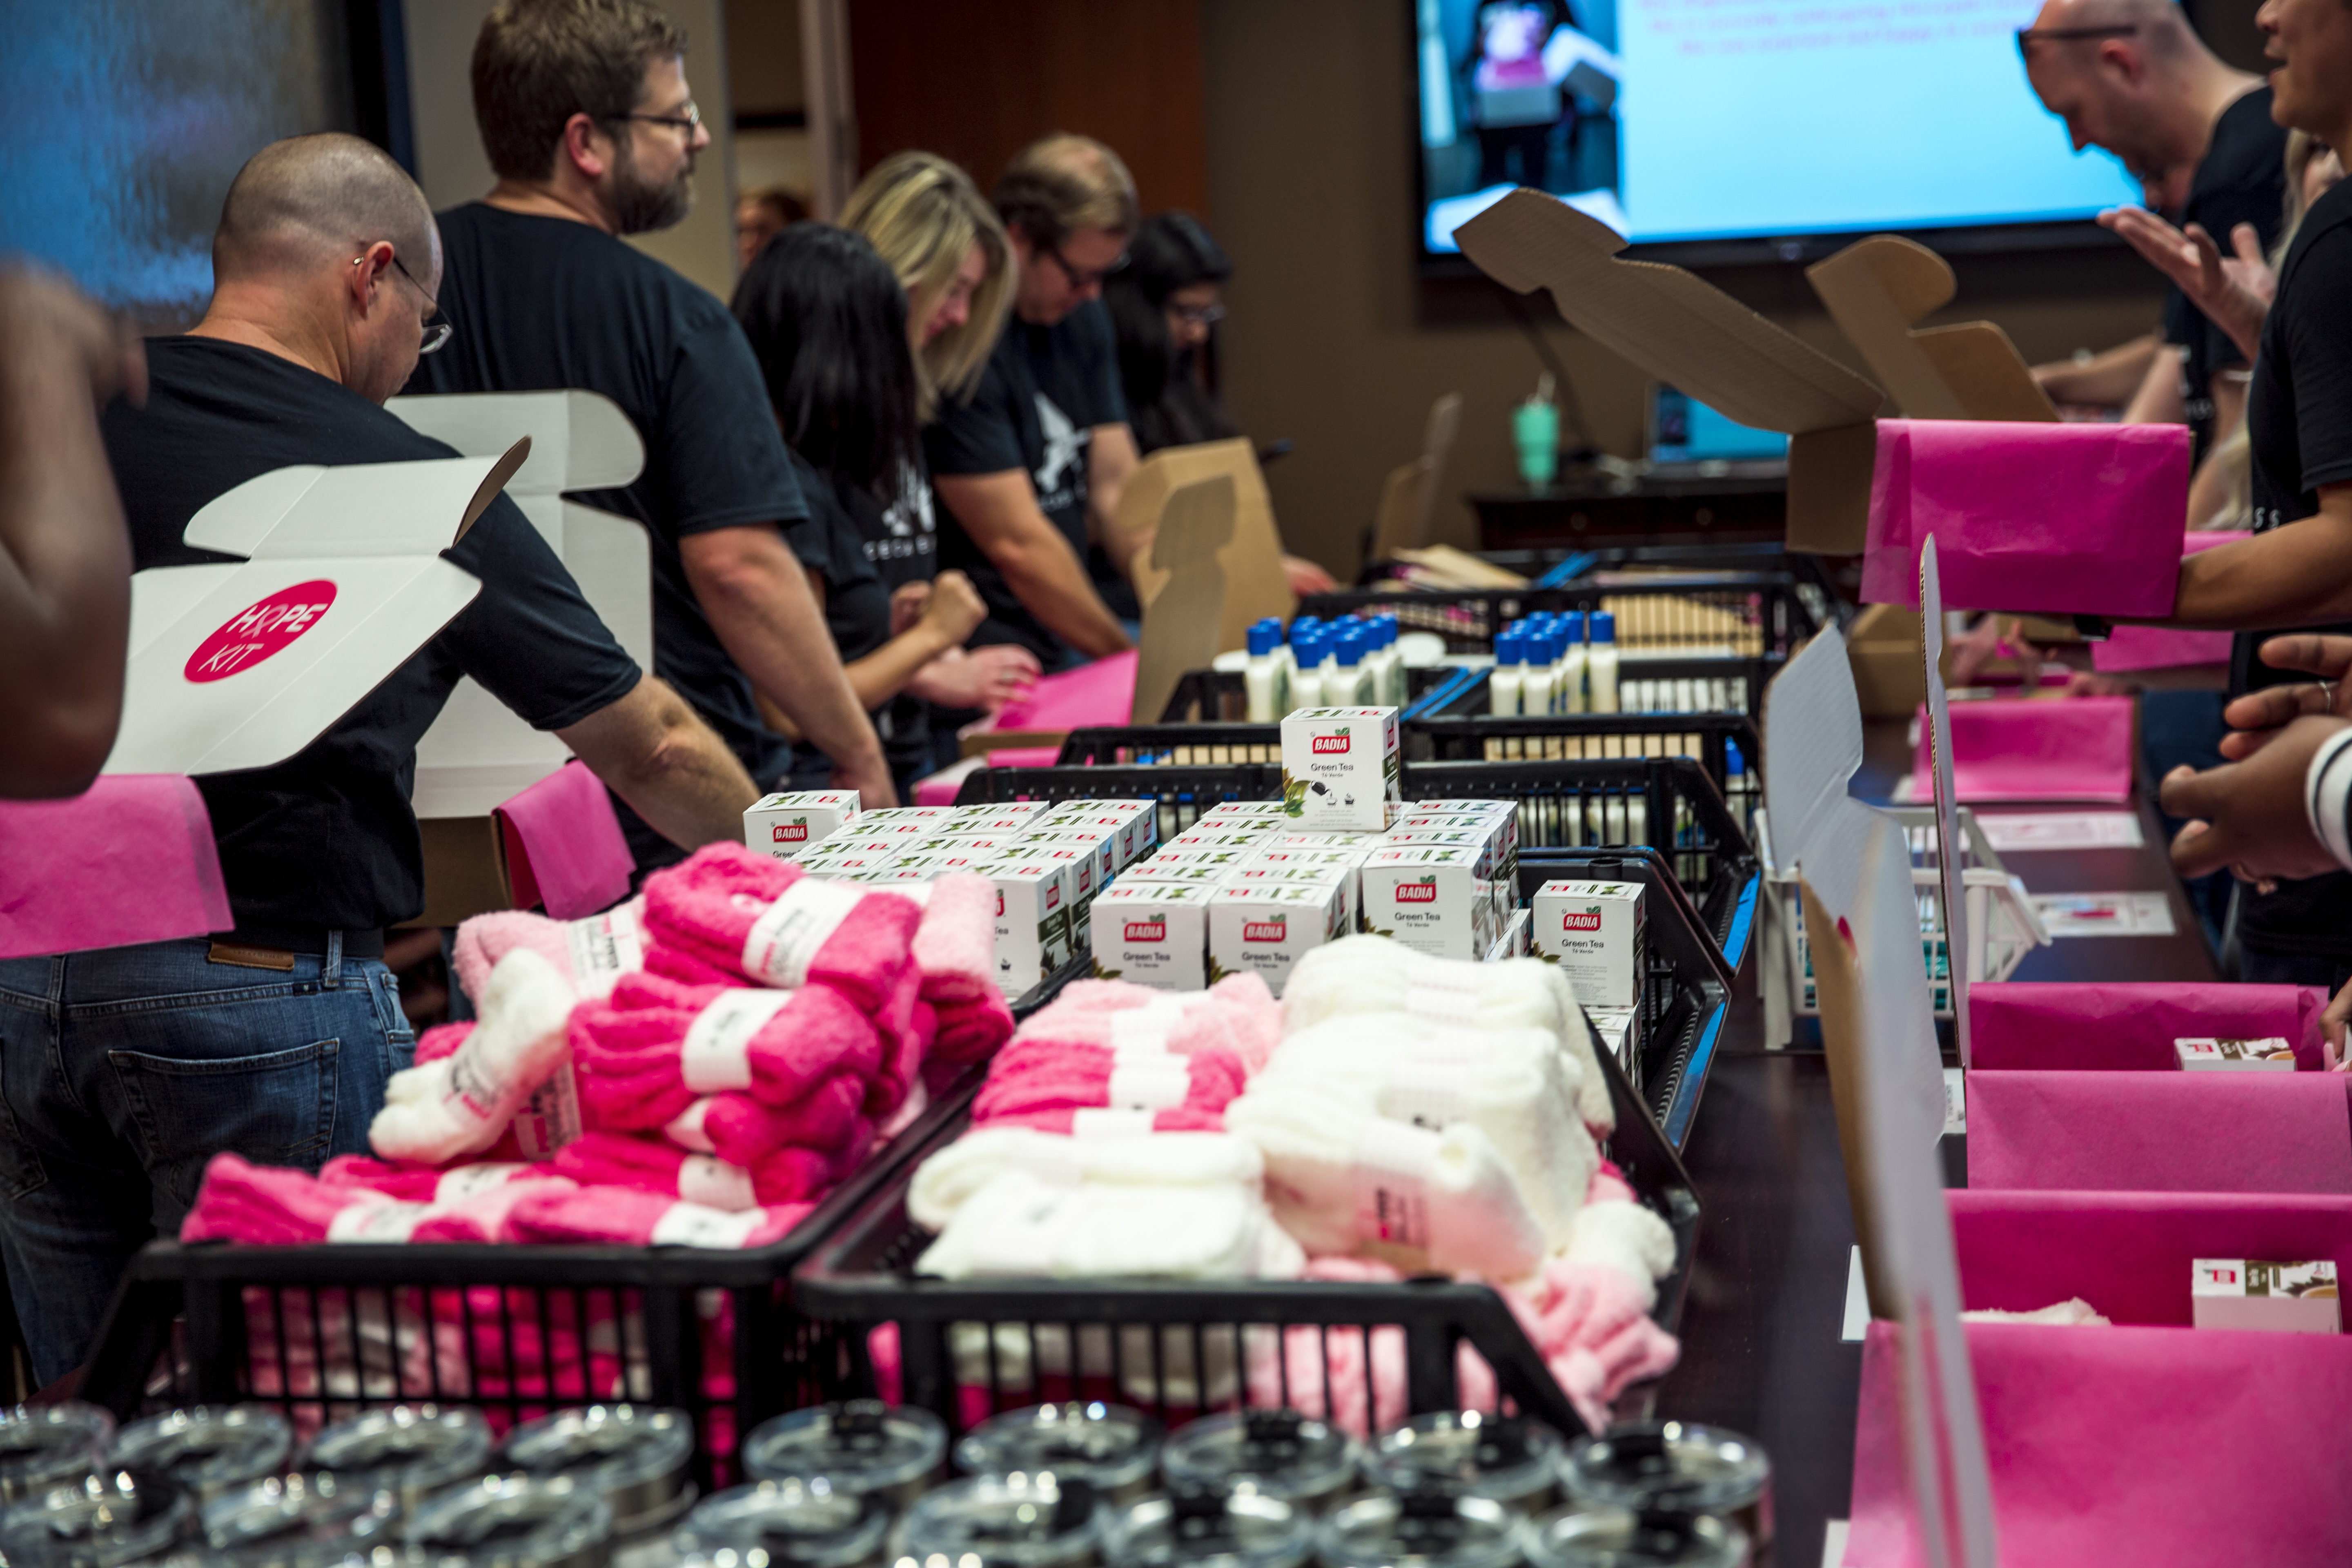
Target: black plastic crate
[1219, 696]
[1619, 806]
[1182, 792]
[1167, 746]
[1459, 733]
[322, 1332]
[1553, 565]
[1704, 684]
[1662, 612]
[968, 1348]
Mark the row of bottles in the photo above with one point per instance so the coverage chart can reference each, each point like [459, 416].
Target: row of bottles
[1545, 665]
[1349, 663]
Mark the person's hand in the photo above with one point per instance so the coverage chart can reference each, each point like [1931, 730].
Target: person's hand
[2235, 292]
[870, 777]
[954, 609]
[1984, 643]
[36, 307]
[977, 678]
[907, 607]
[2249, 815]
[1306, 577]
[2331, 1030]
[2090, 683]
[2256, 717]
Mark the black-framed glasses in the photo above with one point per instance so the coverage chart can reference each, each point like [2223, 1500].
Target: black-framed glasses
[690, 122]
[437, 327]
[2063, 35]
[1083, 280]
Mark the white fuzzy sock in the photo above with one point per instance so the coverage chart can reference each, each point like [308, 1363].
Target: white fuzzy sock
[1021, 1225]
[1338, 1174]
[1517, 1085]
[2072, 1312]
[1627, 1238]
[460, 1104]
[1361, 974]
[949, 1179]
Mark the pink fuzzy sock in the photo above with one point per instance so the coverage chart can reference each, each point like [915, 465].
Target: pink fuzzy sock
[263, 1206]
[1072, 1120]
[971, 1031]
[729, 910]
[955, 945]
[462, 1103]
[1238, 1013]
[594, 951]
[649, 1050]
[1043, 1076]
[739, 1129]
[657, 1165]
[609, 1215]
[486, 1213]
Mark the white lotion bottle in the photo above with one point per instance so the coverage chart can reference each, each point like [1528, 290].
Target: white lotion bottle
[1264, 682]
[1600, 663]
[1573, 665]
[1510, 673]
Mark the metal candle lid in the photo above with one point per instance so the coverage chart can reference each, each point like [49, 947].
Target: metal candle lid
[1108, 1445]
[44, 1445]
[207, 1449]
[1280, 1452]
[1205, 1528]
[517, 1521]
[1582, 1536]
[1004, 1521]
[283, 1509]
[859, 1445]
[101, 1521]
[789, 1524]
[634, 1456]
[1424, 1529]
[1508, 1459]
[1671, 1465]
[410, 1450]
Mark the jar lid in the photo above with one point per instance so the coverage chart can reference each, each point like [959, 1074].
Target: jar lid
[1016, 1521]
[1205, 1528]
[1508, 1459]
[101, 1521]
[517, 1521]
[1282, 1453]
[858, 1445]
[1675, 1465]
[635, 1455]
[1110, 1446]
[411, 1450]
[791, 1523]
[207, 1449]
[1580, 1536]
[1426, 1529]
[278, 1511]
[43, 1445]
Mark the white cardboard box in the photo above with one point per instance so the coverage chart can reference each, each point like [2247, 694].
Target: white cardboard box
[1198, 837]
[2279, 1298]
[1135, 824]
[1101, 843]
[1032, 921]
[1263, 928]
[1167, 872]
[1153, 933]
[1431, 898]
[1619, 1030]
[1597, 933]
[2274, 1054]
[1513, 942]
[1339, 768]
[786, 824]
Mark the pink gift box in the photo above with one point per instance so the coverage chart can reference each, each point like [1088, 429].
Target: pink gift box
[2116, 1024]
[564, 845]
[2019, 749]
[2164, 647]
[2160, 1131]
[2051, 518]
[132, 861]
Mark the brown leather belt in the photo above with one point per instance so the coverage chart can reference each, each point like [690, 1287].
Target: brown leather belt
[277, 948]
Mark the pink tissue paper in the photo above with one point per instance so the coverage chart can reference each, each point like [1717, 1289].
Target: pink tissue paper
[132, 861]
[563, 845]
[2160, 1131]
[2105, 1026]
[2022, 749]
[1102, 692]
[2164, 647]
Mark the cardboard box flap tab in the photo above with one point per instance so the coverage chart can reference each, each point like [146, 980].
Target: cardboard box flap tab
[1665, 319]
[235, 522]
[492, 483]
[583, 441]
[369, 510]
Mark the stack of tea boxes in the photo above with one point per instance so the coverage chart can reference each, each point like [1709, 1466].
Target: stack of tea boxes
[1249, 887]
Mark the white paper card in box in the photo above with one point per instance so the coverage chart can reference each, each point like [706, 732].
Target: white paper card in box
[343, 581]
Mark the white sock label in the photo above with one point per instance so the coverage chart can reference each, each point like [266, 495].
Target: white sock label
[550, 1118]
[604, 948]
[715, 1184]
[686, 1129]
[1094, 1122]
[1145, 1029]
[1053, 1160]
[376, 1223]
[718, 1050]
[1392, 1163]
[695, 1225]
[472, 1181]
[783, 941]
[1149, 1085]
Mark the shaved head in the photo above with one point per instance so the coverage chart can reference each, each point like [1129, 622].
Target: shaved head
[2163, 30]
[307, 200]
[2132, 77]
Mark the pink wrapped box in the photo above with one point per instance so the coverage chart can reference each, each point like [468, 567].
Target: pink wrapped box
[2160, 1131]
[2051, 518]
[1102, 692]
[132, 861]
[2114, 1025]
[2149, 1444]
[2164, 647]
[2019, 749]
[564, 845]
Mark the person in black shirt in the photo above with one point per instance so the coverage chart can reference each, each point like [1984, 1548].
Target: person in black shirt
[1165, 305]
[123, 1071]
[585, 111]
[828, 319]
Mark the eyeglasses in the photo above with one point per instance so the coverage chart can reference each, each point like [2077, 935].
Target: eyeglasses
[1198, 315]
[1081, 281]
[2061, 35]
[689, 122]
[437, 327]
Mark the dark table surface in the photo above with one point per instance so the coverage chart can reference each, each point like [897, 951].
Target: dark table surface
[1762, 1326]
[1748, 501]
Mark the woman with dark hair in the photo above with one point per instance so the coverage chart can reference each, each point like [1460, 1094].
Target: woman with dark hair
[828, 319]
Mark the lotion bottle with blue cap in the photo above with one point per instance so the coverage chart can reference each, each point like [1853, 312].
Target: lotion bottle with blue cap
[1510, 668]
[1572, 663]
[1600, 663]
[1266, 682]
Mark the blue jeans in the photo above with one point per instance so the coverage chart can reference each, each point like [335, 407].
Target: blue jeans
[123, 1071]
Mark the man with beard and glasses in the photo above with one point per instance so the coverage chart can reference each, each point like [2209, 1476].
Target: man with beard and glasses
[584, 110]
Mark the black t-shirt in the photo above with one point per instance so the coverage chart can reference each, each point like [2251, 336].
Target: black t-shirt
[2240, 179]
[326, 839]
[1035, 408]
[2299, 421]
[864, 550]
[541, 303]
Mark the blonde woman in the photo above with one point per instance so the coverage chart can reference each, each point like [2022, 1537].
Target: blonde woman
[926, 219]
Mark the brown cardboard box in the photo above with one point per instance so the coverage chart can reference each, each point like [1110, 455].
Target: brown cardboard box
[1883, 644]
[1876, 288]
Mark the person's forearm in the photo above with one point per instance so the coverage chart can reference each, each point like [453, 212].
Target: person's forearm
[657, 754]
[2157, 401]
[887, 670]
[1050, 579]
[2299, 575]
[65, 576]
[769, 625]
[2109, 378]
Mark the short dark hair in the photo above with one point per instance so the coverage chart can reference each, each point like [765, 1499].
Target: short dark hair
[536, 63]
[1170, 251]
[827, 321]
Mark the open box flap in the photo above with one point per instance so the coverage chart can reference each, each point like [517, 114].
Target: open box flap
[1876, 288]
[306, 512]
[1950, 850]
[580, 440]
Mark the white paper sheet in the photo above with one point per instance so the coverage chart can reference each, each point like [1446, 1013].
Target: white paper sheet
[2105, 914]
[2013, 832]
